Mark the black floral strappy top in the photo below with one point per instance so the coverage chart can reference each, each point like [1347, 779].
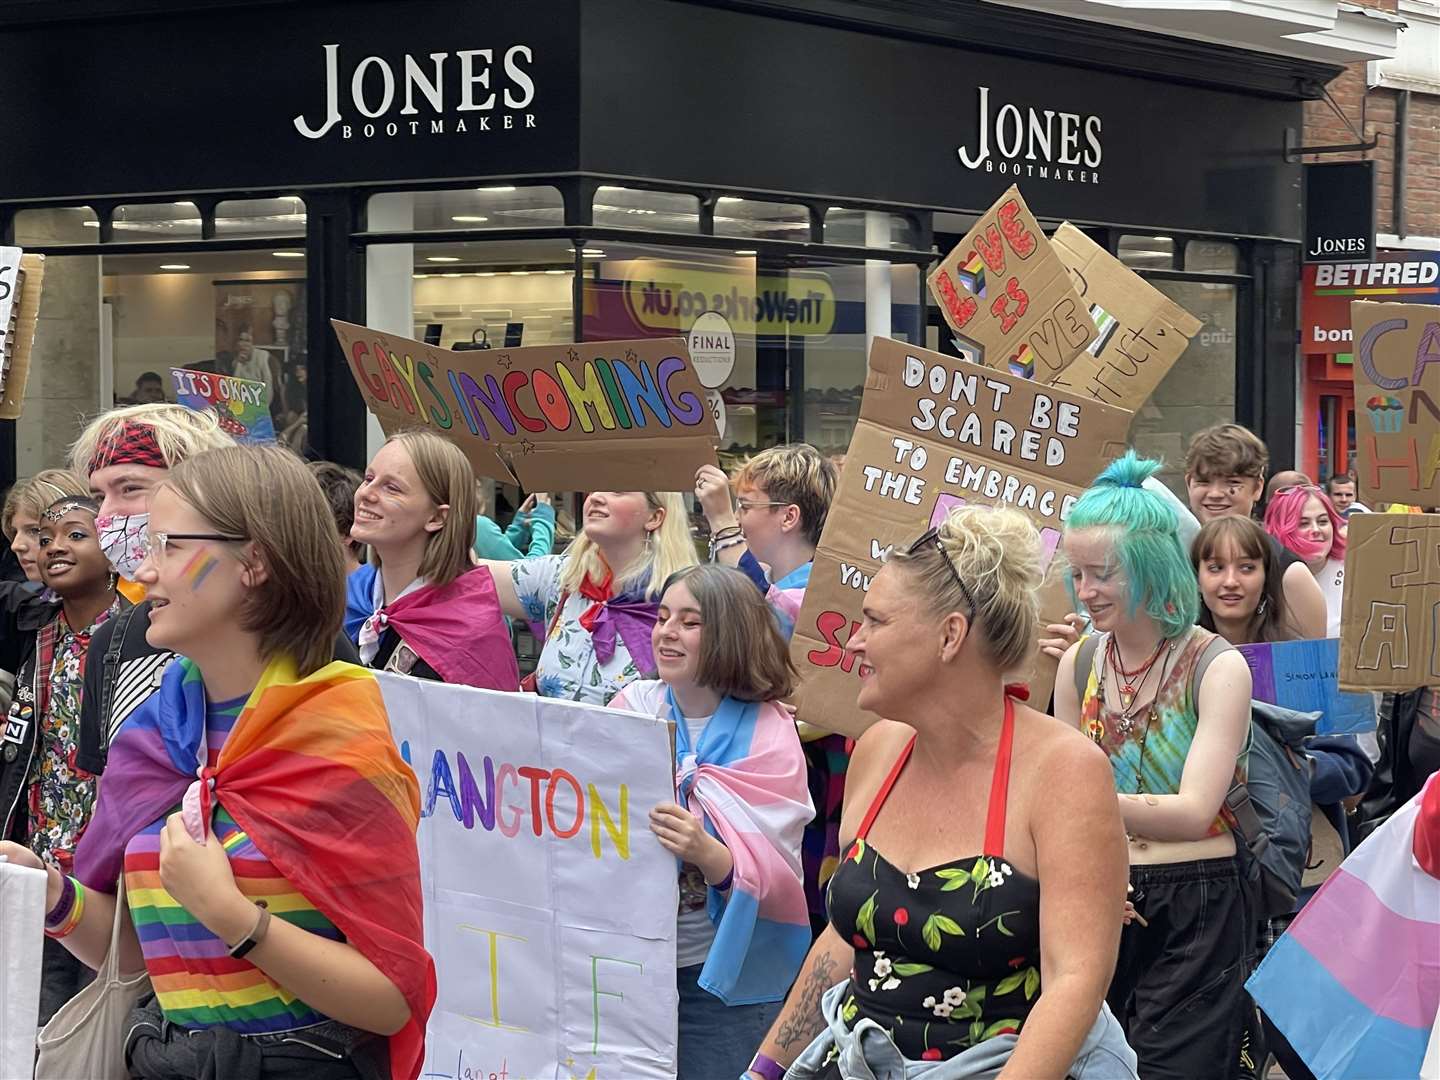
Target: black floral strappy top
[947, 957]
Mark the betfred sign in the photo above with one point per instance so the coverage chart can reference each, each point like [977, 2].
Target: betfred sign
[1409, 277]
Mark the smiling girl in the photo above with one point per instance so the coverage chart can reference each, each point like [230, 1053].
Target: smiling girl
[45, 797]
[1306, 522]
[596, 604]
[742, 807]
[1241, 596]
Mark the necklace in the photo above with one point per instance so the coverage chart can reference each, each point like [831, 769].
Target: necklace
[1130, 682]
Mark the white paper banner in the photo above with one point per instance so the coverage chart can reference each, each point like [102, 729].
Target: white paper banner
[22, 924]
[550, 908]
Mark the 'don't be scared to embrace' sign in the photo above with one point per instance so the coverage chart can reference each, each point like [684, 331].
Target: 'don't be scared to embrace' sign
[603, 414]
[935, 433]
[549, 904]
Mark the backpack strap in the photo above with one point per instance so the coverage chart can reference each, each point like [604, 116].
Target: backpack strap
[110, 674]
[1207, 656]
[1084, 662]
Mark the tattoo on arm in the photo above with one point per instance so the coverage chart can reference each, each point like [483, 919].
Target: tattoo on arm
[805, 1022]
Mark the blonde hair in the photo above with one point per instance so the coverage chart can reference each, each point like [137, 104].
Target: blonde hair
[795, 474]
[996, 553]
[669, 549]
[448, 480]
[266, 494]
[31, 497]
[179, 433]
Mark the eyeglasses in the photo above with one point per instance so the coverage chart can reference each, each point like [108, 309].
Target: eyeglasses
[157, 541]
[743, 507]
[931, 538]
[1294, 487]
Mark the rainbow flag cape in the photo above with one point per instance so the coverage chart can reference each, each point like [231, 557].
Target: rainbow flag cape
[1354, 983]
[311, 773]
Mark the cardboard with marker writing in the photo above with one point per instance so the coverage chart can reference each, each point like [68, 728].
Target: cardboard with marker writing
[934, 433]
[242, 405]
[1391, 603]
[19, 333]
[1397, 402]
[612, 414]
[1140, 332]
[1007, 296]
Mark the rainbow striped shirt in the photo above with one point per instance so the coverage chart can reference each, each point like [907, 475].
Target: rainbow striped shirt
[196, 981]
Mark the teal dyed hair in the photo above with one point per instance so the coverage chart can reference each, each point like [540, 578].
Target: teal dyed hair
[1146, 540]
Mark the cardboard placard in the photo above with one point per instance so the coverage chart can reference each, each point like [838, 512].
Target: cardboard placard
[1390, 634]
[549, 417]
[549, 905]
[243, 405]
[1141, 332]
[935, 432]
[20, 343]
[1007, 296]
[1397, 402]
[1301, 675]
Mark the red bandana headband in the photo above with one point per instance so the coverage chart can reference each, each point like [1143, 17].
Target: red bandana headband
[131, 444]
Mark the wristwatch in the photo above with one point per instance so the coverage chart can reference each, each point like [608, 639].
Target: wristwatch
[256, 935]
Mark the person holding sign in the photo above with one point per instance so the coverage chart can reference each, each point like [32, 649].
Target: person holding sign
[973, 917]
[598, 600]
[435, 615]
[742, 807]
[1305, 521]
[1169, 703]
[279, 918]
[1225, 476]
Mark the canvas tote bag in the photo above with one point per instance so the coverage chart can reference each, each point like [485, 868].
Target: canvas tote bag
[85, 1040]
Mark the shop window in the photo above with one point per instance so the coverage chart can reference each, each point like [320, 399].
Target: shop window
[496, 294]
[156, 221]
[786, 343]
[499, 206]
[634, 208]
[1200, 389]
[869, 228]
[1212, 256]
[1148, 252]
[756, 220]
[54, 225]
[283, 216]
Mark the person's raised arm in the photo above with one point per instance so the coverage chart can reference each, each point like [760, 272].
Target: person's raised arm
[1223, 702]
[1305, 602]
[1082, 861]
[712, 488]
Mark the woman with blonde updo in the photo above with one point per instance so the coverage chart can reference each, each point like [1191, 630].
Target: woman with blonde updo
[939, 946]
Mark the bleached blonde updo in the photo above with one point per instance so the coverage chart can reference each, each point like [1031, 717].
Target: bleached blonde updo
[996, 553]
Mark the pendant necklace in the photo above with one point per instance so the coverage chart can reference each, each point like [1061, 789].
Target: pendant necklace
[1129, 683]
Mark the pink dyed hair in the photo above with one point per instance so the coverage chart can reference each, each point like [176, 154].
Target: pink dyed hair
[1282, 521]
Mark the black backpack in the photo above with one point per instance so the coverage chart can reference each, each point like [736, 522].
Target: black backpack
[1269, 801]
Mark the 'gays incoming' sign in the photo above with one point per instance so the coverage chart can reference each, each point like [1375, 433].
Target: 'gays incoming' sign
[552, 417]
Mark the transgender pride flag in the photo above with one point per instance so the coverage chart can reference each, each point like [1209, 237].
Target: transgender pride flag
[1355, 982]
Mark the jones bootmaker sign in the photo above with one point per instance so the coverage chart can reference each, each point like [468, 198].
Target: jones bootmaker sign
[1040, 144]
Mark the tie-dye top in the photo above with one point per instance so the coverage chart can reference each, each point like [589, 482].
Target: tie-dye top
[196, 981]
[1150, 757]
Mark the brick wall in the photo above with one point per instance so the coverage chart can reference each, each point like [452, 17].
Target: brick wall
[1323, 127]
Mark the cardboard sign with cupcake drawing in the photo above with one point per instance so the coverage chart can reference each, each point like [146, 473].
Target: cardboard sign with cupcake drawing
[1397, 397]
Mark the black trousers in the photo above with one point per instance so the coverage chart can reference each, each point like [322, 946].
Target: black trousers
[1179, 986]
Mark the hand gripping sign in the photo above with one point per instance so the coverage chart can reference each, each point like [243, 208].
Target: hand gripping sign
[613, 414]
[935, 433]
[1008, 297]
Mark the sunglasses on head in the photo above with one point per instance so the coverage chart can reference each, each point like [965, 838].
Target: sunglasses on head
[931, 538]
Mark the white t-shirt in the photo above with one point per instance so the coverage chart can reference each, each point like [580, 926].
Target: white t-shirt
[694, 932]
[1332, 584]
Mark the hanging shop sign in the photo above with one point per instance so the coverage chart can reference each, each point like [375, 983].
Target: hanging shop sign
[1340, 212]
[1406, 277]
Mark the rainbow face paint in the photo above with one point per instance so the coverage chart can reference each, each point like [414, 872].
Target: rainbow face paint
[199, 568]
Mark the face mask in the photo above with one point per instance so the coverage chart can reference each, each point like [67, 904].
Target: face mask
[124, 539]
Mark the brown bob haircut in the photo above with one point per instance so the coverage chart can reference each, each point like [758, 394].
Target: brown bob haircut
[742, 652]
[448, 480]
[266, 494]
[1234, 537]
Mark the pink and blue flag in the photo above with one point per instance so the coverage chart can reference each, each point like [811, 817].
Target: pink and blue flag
[1354, 983]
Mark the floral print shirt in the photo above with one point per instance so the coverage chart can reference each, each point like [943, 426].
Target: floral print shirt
[568, 666]
[61, 795]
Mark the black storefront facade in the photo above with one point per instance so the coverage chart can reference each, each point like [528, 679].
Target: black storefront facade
[530, 173]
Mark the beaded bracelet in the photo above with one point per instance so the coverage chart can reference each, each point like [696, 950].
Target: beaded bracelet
[725, 533]
[62, 919]
[721, 545]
